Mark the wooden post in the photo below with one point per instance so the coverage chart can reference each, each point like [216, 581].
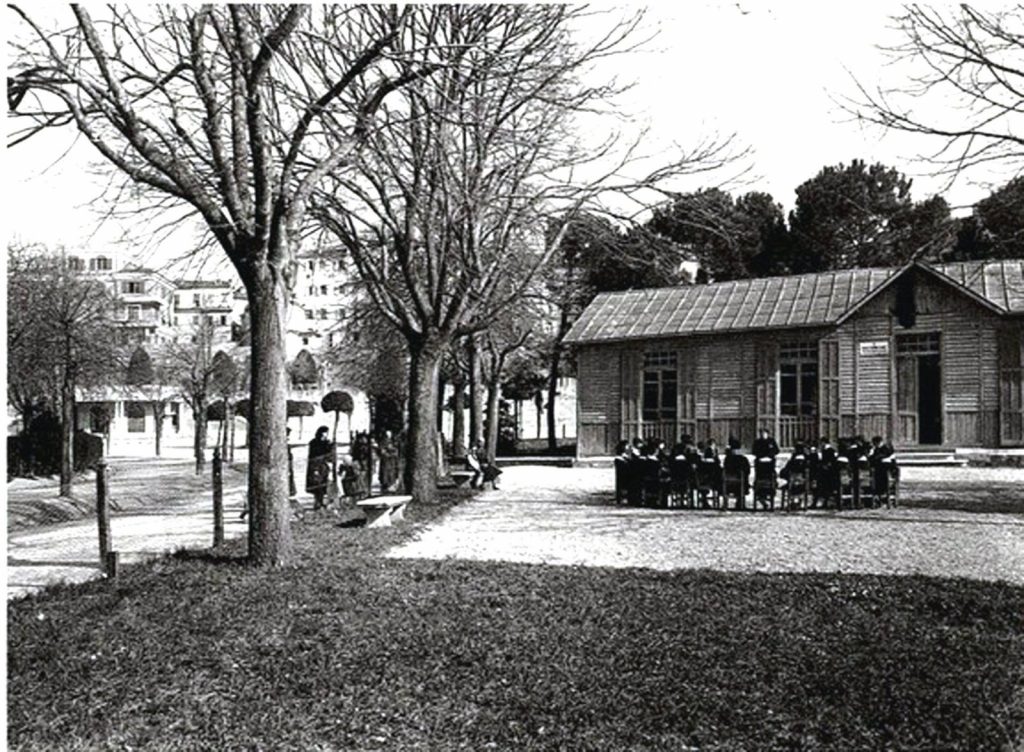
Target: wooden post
[218, 499]
[103, 516]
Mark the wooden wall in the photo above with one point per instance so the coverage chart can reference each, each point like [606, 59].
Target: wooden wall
[723, 392]
[969, 378]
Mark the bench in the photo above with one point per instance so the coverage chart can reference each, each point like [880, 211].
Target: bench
[380, 511]
[462, 477]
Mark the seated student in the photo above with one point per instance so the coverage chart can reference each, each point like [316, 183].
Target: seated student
[710, 471]
[765, 451]
[736, 466]
[622, 456]
[882, 459]
[796, 471]
[826, 476]
[764, 446]
[797, 464]
[860, 469]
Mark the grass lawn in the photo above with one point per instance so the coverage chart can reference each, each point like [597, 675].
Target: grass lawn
[348, 650]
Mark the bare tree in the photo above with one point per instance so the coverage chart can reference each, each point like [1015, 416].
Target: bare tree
[462, 174]
[30, 378]
[61, 333]
[499, 342]
[221, 109]
[154, 379]
[968, 61]
[194, 368]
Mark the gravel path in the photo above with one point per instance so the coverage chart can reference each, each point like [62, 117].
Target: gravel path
[567, 517]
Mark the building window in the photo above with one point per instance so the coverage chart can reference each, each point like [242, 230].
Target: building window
[323, 289]
[661, 387]
[136, 414]
[339, 314]
[195, 318]
[223, 320]
[305, 340]
[197, 301]
[322, 313]
[75, 264]
[177, 301]
[133, 312]
[101, 264]
[312, 291]
[309, 314]
[798, 379]
[134, 288]
[312, 265]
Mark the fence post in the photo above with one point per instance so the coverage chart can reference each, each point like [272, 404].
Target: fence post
[218, 499]
[108, 558]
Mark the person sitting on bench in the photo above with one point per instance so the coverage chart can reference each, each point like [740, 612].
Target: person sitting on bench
[483, 470]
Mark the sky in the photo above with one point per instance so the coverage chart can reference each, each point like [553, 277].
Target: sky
[772, 73]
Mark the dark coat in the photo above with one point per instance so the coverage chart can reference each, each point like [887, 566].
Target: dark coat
[318, 467]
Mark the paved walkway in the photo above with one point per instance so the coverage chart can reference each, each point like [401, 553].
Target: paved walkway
[567, 517]
[171, 509]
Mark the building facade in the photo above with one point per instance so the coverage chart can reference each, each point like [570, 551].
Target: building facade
[927, 355]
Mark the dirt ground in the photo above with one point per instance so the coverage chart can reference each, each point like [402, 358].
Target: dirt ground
[954, 522]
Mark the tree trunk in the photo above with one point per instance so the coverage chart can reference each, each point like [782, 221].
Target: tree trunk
[199, 434]
[555, 365]
[67, 433]
[459, 418]
[476, 397]
[440, 404]
[270, 538]
[421, 464]
[493, 418]
[158, 424]
[556, 358]
[229, 418]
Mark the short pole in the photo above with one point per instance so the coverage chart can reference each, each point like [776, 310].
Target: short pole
[218, 499]
[103, 513]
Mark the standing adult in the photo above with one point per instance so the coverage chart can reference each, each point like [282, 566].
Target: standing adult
[388, 462]
[318, 466]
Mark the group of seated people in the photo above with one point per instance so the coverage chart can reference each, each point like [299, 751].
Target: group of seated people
[857, 473]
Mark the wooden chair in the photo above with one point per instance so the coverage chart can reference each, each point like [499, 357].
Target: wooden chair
[765, 482]
[653, 491]
[735, 483]
[864, 483]
[796, 491]
[621, 480]
[844, 485]
[681, 483]
[709, 483]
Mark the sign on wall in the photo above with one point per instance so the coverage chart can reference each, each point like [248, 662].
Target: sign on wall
[874, 347]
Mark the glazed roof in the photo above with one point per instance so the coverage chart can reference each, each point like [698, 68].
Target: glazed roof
[777, 302]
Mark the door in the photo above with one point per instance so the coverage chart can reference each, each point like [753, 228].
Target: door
[929, 399]
[906, 399]
[918, 389]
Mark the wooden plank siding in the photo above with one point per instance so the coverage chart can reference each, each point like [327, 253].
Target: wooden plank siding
[870, 402]
[729, 383]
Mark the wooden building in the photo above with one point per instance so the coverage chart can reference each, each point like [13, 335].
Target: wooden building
[927, 355]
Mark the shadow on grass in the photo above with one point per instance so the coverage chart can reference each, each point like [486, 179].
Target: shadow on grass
[210, 556]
